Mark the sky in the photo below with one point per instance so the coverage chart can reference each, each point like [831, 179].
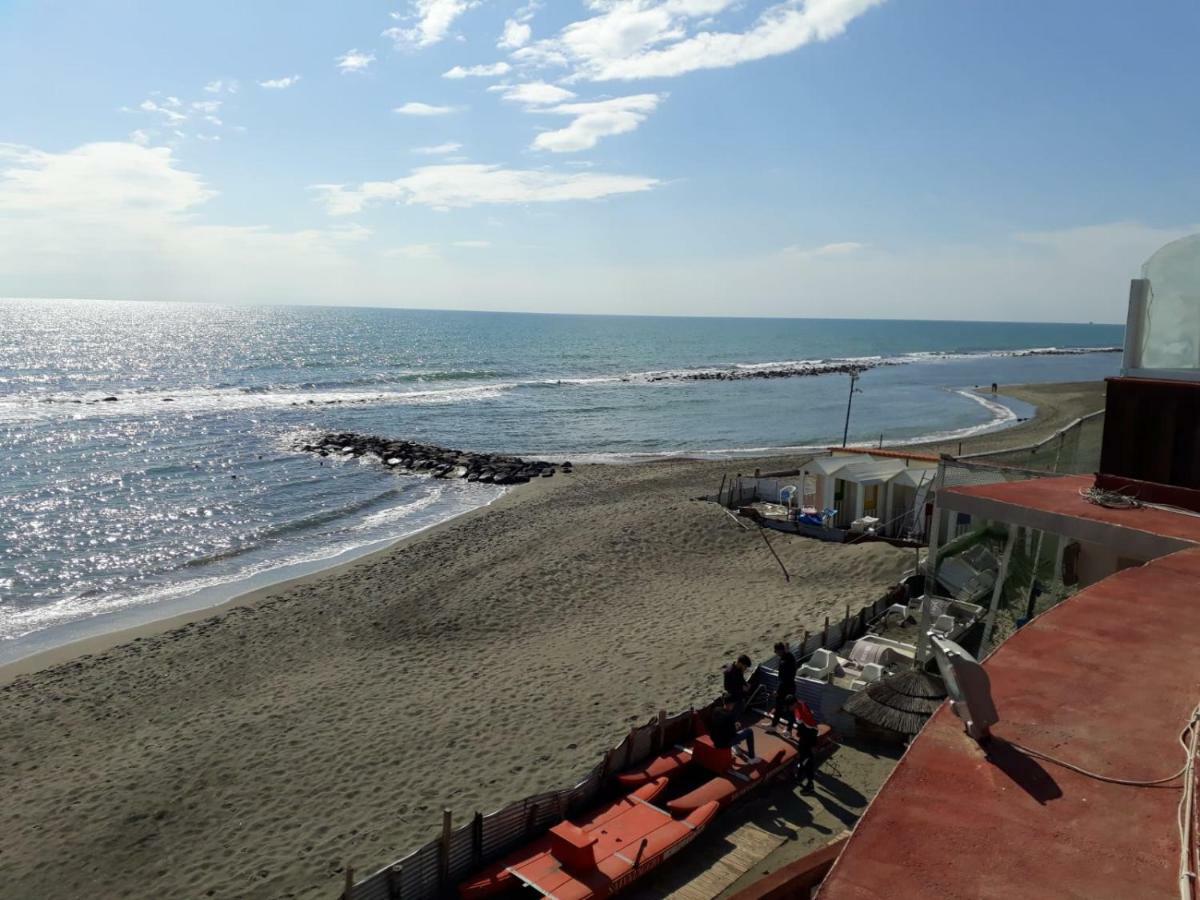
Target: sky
[1012, 160]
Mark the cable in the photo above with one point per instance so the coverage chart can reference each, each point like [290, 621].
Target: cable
[1189, 733]
[1189, 739]
[1109, 499]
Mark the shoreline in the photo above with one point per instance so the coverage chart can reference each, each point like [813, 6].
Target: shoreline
[263, 748]
[75, 648]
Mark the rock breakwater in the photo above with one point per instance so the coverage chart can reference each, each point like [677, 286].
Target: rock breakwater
[408, 457]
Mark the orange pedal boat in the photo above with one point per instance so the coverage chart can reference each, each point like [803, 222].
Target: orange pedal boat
[598, 856]
[734, 776]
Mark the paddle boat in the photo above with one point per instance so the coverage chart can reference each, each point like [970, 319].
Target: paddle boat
[598, 855]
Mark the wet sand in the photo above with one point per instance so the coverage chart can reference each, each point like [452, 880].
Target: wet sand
[255, 750]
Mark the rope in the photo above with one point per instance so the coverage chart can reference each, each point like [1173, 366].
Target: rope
[1117, 500]
[1109, 499]
[1189, 739]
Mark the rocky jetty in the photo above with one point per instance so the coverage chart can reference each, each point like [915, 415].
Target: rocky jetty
[799, 370]
[408, 457]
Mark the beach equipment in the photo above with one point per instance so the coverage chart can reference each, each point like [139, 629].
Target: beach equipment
[595, 856]
[898, 706]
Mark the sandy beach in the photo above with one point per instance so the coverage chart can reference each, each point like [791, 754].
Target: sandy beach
[256, 749]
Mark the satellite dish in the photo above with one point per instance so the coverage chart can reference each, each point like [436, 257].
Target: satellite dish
[968, 686]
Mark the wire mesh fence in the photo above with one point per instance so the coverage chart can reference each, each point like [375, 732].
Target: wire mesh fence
[1072, 450]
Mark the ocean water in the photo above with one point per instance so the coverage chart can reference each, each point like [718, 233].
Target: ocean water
[157, 501]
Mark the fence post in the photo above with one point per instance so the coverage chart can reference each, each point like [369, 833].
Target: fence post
[825, 633]
[477, 839]
[804, 643]
[395, 882]
[348, 891]
[444, 850]
[660, 731]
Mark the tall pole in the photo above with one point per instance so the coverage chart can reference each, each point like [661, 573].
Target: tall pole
[849, 400]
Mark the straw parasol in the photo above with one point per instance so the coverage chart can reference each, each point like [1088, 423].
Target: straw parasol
[899, 704]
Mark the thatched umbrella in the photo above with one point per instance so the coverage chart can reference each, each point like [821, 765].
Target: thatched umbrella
[897, 706]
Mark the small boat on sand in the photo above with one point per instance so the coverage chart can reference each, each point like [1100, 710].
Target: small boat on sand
[598, 855]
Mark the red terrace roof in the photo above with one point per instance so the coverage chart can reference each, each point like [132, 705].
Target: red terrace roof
[1105, 680]
[887, 454]
[1059, 497]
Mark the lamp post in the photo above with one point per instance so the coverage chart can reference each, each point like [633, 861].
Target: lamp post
[849, 400]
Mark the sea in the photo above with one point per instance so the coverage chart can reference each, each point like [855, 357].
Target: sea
[187, 488]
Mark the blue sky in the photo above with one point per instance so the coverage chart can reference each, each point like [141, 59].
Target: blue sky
[895, 158]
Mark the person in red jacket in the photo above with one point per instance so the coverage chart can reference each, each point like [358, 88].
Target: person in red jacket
[806, 745]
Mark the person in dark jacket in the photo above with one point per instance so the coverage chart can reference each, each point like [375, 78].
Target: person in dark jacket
[785, 691]
[723, 727]
[735, 682]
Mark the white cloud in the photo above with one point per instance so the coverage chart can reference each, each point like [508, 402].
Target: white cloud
[355, 61]
[533, 93]
[222, 86]
[207, 106]
[416, 108]
[631, 39]
[482, 71]
[471, 184]
[843, 248]
[124, 180]
[166, 109]
[433, 251]
[279, 84]
[516, 34]
[414, 251]
[595, 120]
[140, 137]
[118, 219]
[438, 149]
[431, 21]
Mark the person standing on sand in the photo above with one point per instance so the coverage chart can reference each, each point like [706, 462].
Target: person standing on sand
[786, 689]
[724, 731]
[735, 681]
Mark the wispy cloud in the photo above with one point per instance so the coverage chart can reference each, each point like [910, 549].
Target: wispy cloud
[222, 86]
[595, 120]
[668, 38]
[169, 109]
[494, 70]
[842, 248]
[416, 108]
[533, 93]
[279, 84]
[354, 61]
[470, 184]
[428, 21]
[433, 251]
[438, 149]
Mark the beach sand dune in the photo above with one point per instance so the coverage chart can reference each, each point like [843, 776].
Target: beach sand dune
[256, 752]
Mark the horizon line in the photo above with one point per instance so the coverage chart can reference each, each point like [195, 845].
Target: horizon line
[521, 312]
